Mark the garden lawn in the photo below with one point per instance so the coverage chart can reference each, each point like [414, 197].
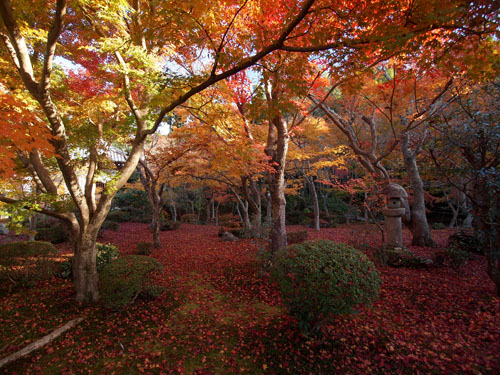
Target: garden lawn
[220, 317]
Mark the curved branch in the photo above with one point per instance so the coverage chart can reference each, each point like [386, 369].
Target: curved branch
[241, 66]
[52, 37]
[57, 215]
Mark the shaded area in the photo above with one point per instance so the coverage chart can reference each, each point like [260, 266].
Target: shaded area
[221, 317]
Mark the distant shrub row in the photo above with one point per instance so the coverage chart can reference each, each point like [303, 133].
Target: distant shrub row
[26, 262]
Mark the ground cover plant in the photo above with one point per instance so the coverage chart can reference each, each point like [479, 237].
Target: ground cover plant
[217, 315]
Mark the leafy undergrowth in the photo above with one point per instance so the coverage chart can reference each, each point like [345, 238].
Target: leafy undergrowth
[220, 317]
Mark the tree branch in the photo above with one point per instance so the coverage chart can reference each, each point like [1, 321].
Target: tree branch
[16, 45]
[57, 215]
[52, 37]
[241, 66]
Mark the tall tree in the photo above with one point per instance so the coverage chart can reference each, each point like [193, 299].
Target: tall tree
[132, 53]
[386, 111]
[466, 151]
[144, 59]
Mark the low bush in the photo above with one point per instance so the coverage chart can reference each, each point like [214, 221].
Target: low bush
[296, 237]
[456, 257]
[44, 221]
[118, 216]
[144, 248]
[189, 218]
[170, 225]
[110, 225]
[144, 219]
[134, 198]
[229, 220]
[319, 279]
[105, 254]
[54, 234]
[465, 242]
[27, 262]
[123, 280]
[438, 226]
[235, 231]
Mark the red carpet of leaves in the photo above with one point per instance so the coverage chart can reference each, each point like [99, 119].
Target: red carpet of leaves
[221, 317]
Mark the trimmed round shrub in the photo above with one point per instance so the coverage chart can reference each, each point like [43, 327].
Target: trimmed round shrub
[132, 198]
[123, 280]
[106, 253]
[27, 262]
[465, 242]
[320, 279]
[438, 226]
[144, 248]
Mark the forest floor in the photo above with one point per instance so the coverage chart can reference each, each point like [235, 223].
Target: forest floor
[221, 317]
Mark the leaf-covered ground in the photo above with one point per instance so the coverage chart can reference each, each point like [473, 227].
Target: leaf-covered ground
[221, 317]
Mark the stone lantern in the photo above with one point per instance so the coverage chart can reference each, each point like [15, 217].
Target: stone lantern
[393, 213]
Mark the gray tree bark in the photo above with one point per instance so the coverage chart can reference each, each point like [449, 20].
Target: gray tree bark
[418, 220]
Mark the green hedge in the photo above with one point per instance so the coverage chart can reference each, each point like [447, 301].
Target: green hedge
[144, 248]
[54, 234]
[27, 262]
[127, 277]
[320, 279]
[170, 225]
[297, 237]
[110, 225]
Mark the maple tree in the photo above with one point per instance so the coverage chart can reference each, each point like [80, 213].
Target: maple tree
[129, 61]
[469, 127]
[312, 153]
[158, 165]
[389, 110]
[228, 153]
[135, 62]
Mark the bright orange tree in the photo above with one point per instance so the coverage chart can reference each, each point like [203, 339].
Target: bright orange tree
[137, 61]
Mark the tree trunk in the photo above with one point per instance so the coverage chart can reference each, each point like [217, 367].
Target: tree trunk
[85, 274]
[455, 210]
[324, 197]
[156, 225]
[269, 208]
[213, 210]
[277, 181]
[467, 223]
[418, 222]
[207, 211]
[314, 195]
[245, 217]
[32, 225]
[217, 214]
[484, 202]
[254, 204]
[278, 226]
[173, 210]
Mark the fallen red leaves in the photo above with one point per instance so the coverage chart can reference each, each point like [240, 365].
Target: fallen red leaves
[221, 317]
